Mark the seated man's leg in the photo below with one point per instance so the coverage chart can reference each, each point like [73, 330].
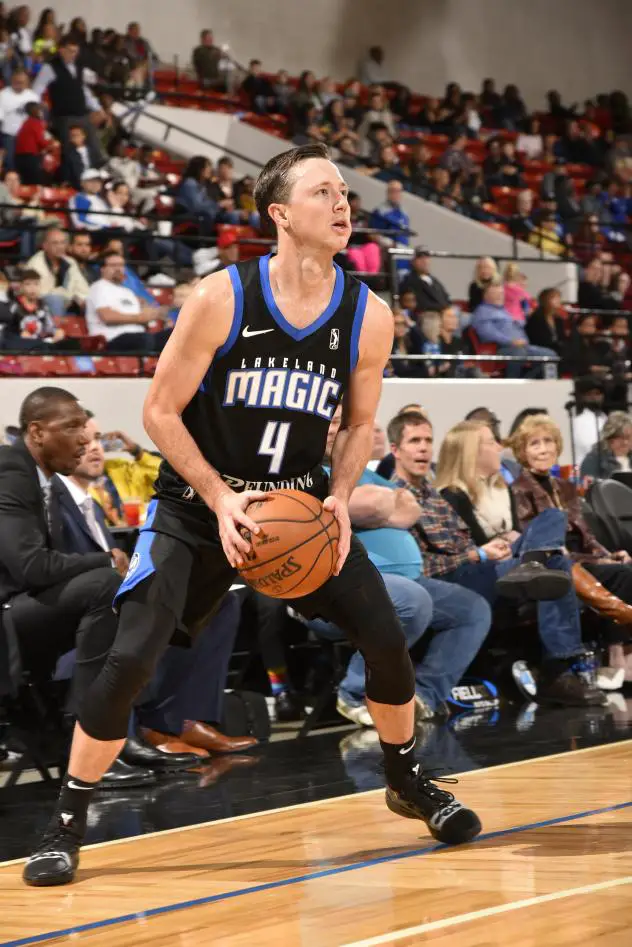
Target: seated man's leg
[77, 613]
[188, 688]
[413, 607]
[462, 620]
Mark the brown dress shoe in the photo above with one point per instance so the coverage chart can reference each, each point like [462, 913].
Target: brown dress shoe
[170, 744]
[196, 733]
[591, 592]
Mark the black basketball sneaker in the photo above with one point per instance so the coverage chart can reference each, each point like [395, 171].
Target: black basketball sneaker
[448, 820]
[55, 860]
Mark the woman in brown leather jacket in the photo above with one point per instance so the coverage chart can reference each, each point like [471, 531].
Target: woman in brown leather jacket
[537, 445]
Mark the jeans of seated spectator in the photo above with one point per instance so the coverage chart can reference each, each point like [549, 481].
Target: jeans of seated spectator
[460, 619]
[144, 342]
[516, 369]
[175, 250]
[558, 621]
[25, 234]
[57, 305]
[8, 143]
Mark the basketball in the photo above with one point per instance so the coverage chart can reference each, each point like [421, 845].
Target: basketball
[296, 550]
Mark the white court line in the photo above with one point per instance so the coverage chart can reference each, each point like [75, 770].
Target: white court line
[324, 802]
[488, 912]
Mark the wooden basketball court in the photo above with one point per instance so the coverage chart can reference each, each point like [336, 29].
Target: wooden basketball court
[553, 867]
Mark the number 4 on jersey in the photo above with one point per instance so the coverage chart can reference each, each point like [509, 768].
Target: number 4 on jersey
[273, 443]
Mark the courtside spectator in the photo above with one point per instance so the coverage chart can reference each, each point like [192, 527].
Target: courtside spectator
[115, 312]
[63, 285]
[192, 196]
[13, 101]
[613, 453]
[430, 292]
[492, 323]
[71, 100]
[31, 144]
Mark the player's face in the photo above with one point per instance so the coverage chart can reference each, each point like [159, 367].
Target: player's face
[317, 213]
[414, 453]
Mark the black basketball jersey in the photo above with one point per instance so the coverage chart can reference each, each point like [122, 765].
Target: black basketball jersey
[262, 413]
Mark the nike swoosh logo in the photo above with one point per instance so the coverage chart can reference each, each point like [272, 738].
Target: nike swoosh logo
[248, 333]
[73, 785]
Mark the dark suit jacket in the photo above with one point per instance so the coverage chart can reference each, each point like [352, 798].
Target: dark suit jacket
[76, 535]
[72, 165]
[531, 499]
[28, 561]
[431, 296]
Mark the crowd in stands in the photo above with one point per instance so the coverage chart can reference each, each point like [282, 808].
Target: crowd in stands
[560, 179]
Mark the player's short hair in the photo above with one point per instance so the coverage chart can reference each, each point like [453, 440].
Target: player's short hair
[275, 181]
[397, 425]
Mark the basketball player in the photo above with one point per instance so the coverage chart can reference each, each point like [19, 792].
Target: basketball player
[240, 404]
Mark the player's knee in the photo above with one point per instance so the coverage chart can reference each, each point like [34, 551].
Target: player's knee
[128, 673]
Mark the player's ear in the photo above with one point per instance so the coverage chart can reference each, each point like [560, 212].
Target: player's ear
[278, 213]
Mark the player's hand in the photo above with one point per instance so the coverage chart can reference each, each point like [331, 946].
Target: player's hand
[340, 511]
[120, 560]
[231, 517]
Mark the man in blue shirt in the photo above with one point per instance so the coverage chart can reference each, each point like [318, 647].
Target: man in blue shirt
[381, 515]
[492, 323]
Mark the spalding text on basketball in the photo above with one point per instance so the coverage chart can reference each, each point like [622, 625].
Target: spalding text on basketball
[284, 571]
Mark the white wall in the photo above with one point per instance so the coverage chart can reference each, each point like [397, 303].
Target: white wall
[118, 404]
[577, 46]
[437, 228]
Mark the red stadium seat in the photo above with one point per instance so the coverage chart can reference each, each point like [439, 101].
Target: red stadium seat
[127, 366]
[492, 369]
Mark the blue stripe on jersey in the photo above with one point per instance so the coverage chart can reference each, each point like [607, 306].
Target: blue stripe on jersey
[141, 564]
[358, 319]
[277, 315]
[238, 313]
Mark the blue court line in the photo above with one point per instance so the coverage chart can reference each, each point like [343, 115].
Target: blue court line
[298, 879]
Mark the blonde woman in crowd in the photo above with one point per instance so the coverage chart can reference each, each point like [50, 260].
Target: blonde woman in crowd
[485, 273]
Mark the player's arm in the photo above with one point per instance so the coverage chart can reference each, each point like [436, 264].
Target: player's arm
[203, 326]
[354, 441]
